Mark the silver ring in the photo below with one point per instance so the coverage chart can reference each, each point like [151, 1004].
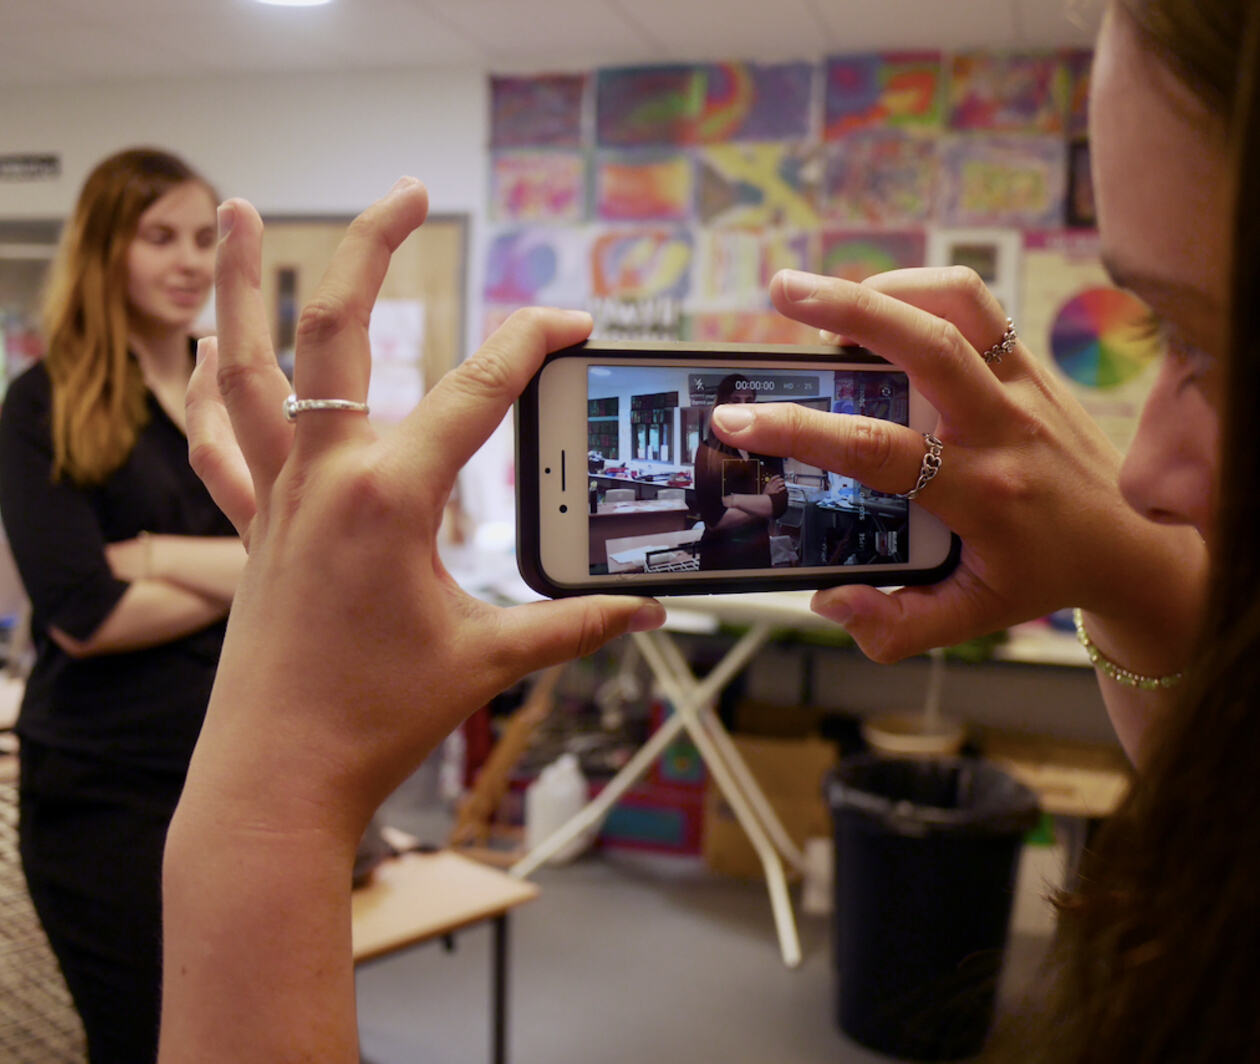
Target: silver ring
[294, 406]
[930, 467]
[1003, 347]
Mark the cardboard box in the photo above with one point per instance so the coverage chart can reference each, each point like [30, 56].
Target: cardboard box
[790, 772]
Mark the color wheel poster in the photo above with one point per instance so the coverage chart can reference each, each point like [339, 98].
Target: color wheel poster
[1091, 332]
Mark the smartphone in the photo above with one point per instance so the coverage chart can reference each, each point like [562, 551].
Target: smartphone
[621, 486]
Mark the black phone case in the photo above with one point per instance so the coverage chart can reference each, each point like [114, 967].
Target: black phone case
[528, 523]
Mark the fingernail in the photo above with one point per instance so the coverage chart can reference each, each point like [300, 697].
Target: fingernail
[227, 219]
[798, 286]
[649, 616]
[733, 417]
[201, 348]
[401, 183]
[840, 612]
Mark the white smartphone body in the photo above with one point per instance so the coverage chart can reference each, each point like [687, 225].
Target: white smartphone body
[622, 486]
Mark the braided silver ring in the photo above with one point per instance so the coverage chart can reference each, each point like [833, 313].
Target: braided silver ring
[294, 406]
[930, 467]
[1003, 347]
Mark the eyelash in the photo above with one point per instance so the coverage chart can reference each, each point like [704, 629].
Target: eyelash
[1174, 345]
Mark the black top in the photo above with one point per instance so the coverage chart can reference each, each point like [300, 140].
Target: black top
[722, 470]
[142, 707]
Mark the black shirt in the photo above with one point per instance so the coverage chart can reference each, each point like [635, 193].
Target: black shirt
[142, 707]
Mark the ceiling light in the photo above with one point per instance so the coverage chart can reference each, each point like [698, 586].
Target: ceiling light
[295, 3]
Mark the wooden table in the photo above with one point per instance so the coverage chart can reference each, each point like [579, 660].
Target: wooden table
[418, 897]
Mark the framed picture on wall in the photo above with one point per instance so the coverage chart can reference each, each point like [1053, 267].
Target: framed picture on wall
[993, 253]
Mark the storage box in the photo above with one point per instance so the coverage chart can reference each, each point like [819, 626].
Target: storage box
[790, 772]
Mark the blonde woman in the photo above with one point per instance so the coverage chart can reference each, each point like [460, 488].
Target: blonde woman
[130, 568]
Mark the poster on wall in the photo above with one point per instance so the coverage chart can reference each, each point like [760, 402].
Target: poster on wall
[880, 178]
[537, 112]
[856, 255]
[396, 339]
[1009, 92]
[538, 264]
[647, 106]
[643, 186]
[1017, 181]
[900, 90]
[995, 254]
[748, 327]
[754, 101]
[538, 186]
[641, 263]
[759, 185]
[1094, 335]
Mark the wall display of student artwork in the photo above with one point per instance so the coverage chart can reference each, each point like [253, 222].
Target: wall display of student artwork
[1095, 336]
[538, 186]
[664, 198]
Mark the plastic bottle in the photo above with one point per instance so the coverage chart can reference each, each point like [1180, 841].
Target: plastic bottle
[558, 794]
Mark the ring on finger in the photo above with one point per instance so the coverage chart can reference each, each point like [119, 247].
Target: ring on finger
[294, 406]
[930, 466]
[1003, 347]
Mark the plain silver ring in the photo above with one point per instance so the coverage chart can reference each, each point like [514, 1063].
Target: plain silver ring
[294, 406]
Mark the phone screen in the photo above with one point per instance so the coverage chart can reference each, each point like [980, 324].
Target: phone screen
[665, 495]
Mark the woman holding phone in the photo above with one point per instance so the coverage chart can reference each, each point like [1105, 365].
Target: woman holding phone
[1158, 952]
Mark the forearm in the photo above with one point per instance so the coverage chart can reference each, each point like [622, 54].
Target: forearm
[753, 505]
[151, 612]
[209, 566]
[257, 962]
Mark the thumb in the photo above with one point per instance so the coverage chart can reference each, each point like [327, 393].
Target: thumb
[910, 620]
[548, 633]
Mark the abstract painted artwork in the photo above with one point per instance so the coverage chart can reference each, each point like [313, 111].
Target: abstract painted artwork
[897, 90]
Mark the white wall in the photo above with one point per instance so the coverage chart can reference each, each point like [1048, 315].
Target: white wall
[291, 144]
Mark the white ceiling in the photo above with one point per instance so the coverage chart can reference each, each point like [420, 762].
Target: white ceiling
[46, 42]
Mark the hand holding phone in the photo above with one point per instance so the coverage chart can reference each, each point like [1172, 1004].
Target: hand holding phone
[606, 433]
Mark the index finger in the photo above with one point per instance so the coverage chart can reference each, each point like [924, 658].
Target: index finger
[940, 361]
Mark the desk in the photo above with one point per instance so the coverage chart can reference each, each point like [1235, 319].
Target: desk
[618, 520]
[417, 897]
[641, 545]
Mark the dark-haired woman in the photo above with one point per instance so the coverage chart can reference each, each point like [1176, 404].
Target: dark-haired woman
[130, 568]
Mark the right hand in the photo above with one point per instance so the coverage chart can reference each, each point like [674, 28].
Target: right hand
[1028, 481]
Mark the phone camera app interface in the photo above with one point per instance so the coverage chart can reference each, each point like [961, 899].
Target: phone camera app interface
[666, 495]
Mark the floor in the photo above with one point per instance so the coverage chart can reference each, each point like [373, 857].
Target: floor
[622, 960]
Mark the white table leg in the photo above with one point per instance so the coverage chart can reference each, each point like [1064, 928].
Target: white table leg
[689, 698]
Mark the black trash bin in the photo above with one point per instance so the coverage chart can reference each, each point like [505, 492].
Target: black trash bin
[927, 853]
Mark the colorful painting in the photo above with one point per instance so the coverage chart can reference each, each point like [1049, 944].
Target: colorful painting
[536, 264]
[880, 178]
[648, 106]
[785, 249]
[901, 89]
[1086, 330]
[642, 263]
[751, 101]
[856, 255]
[1003, 181]
[537, 186]
[634, 187]
[1009, 93]
[537, 112]
[749, 327]
[758, 184]
[729, 268]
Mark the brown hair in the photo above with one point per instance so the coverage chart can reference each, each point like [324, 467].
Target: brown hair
[98, 396]
[1158, 952]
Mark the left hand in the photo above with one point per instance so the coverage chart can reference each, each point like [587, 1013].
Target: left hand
[351, 651]
[130, 559]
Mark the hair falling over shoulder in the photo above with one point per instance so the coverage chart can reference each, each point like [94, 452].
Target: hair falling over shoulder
[1158, 949]
[98, 392]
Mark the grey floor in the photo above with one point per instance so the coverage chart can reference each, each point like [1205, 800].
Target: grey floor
[622, 960]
